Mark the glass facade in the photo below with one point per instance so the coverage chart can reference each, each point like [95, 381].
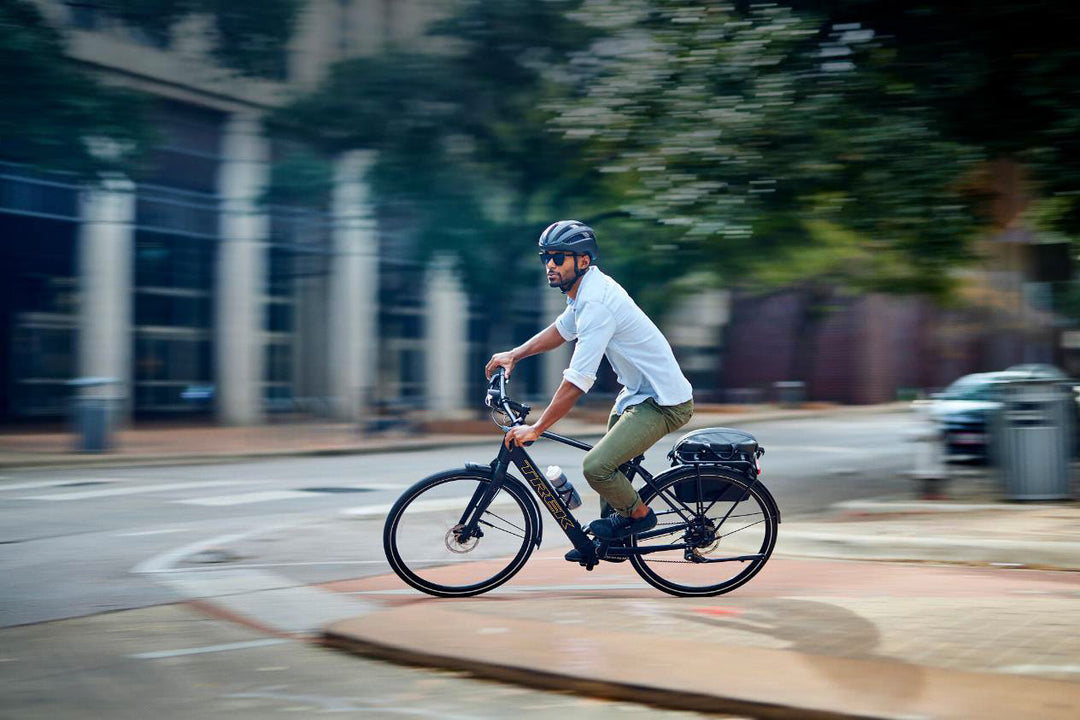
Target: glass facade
[38, 292]
[176, 219]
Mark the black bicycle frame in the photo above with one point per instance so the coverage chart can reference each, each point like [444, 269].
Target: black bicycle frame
[550, 498]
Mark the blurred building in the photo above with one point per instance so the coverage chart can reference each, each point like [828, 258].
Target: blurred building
[196, 298]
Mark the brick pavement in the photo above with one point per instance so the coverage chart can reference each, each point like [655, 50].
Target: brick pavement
[806, 636]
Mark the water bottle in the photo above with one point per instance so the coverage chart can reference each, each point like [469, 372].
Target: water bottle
[563, 486]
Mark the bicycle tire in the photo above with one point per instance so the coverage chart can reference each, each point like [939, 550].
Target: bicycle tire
[670, 572]
[436, 519]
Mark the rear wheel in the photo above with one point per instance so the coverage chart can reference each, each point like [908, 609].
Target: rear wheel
[426, 545]
[722, 541]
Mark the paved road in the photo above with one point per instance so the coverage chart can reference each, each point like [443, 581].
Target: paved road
[77, 543]
[69, 539]
[173, 662]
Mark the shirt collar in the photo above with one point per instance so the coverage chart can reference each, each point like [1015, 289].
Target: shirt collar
[569, 300]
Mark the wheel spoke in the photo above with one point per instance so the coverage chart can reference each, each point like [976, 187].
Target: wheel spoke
[436, 560]
[753, 539]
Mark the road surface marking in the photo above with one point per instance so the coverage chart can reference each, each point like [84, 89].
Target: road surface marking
[251, 566]
[141, 489]
[1040, 669]
[457, 503]
[515, 590]
[209, 649]
[52, 483]
[251, 497]
[140, 533]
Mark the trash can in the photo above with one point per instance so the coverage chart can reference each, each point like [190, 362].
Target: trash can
[1033, 439]
[92, 413]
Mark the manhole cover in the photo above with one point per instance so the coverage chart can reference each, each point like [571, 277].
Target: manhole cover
[336, 489]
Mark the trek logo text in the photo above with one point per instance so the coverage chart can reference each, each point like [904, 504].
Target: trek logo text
[545, 494]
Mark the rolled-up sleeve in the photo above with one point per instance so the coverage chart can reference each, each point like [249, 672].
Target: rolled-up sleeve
[595, 327]
[565, 325]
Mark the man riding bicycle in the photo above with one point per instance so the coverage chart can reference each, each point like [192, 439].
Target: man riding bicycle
[656, 398]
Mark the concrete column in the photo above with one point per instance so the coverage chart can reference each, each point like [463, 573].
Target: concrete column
[557, 360]
[106, 262]
[354, 287]
[242, 268]
[310, 376]
[446, 337]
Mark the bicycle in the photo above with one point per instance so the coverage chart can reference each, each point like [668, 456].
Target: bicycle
[485, 522]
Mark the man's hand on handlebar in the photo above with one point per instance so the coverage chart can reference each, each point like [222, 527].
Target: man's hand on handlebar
[504, 360]
[520, 435]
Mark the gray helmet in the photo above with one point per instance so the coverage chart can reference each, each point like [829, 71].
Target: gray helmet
[570, 236]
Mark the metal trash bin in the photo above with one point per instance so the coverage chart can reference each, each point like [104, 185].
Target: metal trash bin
[92, 413]
[1033, 439]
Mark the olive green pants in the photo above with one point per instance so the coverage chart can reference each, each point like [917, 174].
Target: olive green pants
[639, 428]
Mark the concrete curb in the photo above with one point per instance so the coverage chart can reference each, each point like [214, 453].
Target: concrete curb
[756, 682]
[1046, 555]
[586, 687]
[587, 433]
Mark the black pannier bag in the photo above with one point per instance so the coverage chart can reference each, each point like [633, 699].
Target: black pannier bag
[731, 449]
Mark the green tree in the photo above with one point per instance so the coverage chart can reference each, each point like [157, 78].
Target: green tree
[781, 150]
[997, 75]
[250, 36]
[60, 116]
[54, 113]
[465, 150]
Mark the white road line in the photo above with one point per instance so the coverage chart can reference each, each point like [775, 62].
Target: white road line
[53, 483]
[252, 497]
[514, 590]
[209, 649]
[382, 509]
[817, 448]
[137, 490]
[140, 533]
[1040, 669]
[252, 566]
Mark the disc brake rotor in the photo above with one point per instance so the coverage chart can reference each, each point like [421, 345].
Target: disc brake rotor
[454, 543]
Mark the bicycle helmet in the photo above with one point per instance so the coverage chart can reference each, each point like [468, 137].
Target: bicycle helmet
[572, 237]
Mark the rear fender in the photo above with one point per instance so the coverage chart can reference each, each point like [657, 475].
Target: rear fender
[680, 472]
[532, 506]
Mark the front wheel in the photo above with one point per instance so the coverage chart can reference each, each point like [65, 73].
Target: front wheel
[427, 546]
[719, 530]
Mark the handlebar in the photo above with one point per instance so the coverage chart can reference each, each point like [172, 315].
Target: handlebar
[497, 399]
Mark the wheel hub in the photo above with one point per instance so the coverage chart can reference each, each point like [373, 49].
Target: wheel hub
[702, 537]
[457, 543]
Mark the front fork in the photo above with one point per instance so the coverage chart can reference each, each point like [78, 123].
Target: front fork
[468, 526]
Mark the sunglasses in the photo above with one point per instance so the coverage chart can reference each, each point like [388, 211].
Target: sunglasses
[556, 258]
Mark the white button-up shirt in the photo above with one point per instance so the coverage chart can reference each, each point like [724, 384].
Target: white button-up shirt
[605, 320]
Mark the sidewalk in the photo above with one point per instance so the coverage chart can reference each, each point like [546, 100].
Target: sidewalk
[174, 445]
[955, 631]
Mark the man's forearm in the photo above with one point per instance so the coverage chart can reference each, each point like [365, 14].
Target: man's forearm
[547, 339]
[565, 397]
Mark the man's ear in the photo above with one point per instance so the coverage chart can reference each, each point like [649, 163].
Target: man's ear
[587, 263]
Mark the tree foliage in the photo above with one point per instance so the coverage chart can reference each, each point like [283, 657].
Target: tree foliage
[465, 147]
[998, 75]
[751, 131]
[251, 36]
[826, 141]
[55, 114]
